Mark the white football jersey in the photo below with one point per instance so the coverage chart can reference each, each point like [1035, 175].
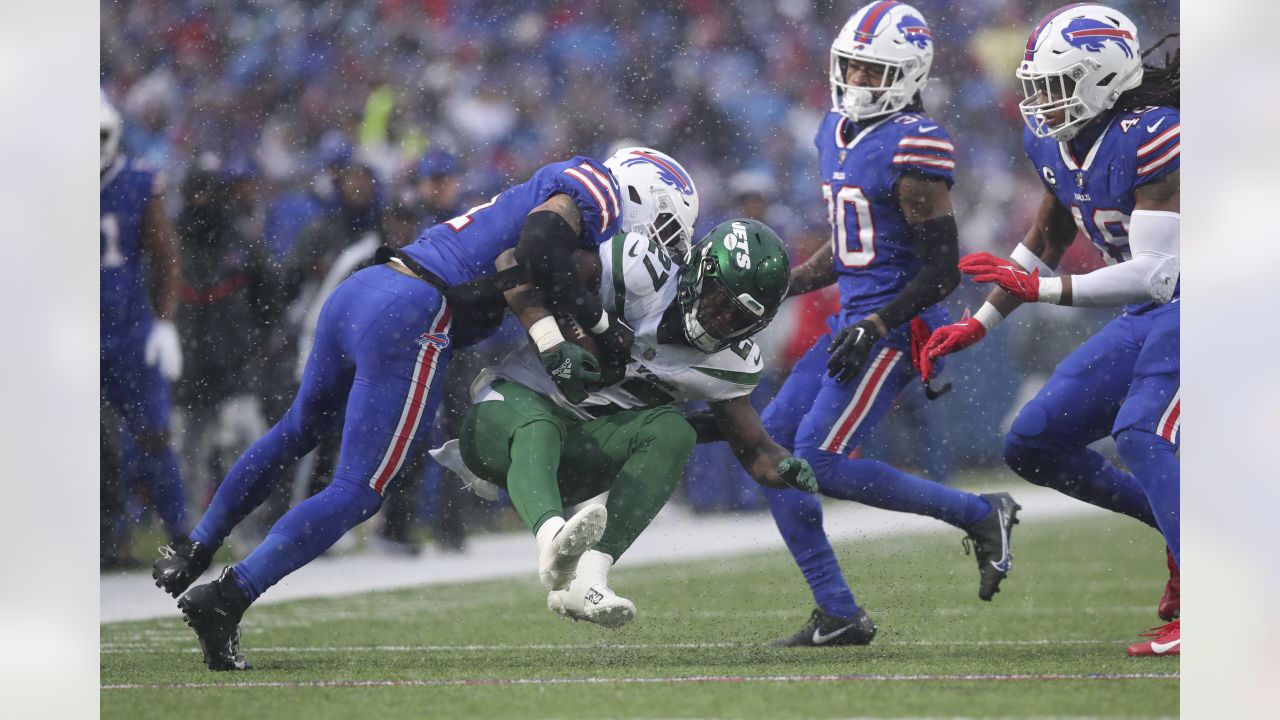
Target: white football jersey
[640, 277]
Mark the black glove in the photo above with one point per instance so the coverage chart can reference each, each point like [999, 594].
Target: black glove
[615, 350]
[573, 369]
[850, 349]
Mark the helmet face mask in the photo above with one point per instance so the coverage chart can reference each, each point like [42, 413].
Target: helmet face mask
[733, 284]
[1077, 63]
[893, 36]
[658, 197]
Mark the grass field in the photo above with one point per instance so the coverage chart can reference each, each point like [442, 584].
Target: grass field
[1052, 643]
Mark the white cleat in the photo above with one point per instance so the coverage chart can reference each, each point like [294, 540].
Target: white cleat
[593, 602]
[558, 554]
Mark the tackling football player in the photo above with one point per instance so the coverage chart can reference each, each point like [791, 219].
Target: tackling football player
[693, 343]
[887, 170]
[1103, 133]
[382, 343]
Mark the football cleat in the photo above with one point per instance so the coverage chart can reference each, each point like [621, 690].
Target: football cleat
[558, 555]
[824, 629]
[1165, 640]
[991, 539]
[213, 611]
[1171, 602]
[179, 564]
[593, 602]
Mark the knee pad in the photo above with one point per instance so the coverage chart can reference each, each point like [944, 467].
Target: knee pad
[1026, 460]
[1030, 424]
[1133, 445]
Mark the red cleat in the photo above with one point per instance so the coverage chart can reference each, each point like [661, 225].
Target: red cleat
[1171, 602]
[1165, 640]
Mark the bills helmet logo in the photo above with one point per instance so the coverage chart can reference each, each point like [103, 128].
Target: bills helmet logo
[915, 31]
[1093, 35]
[670, 173]
[440, 340]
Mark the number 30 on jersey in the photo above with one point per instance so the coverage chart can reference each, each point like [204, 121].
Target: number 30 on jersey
[853, 233]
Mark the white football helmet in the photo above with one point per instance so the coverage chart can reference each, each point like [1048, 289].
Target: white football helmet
[658, 197]
[891, 34]
[112, 128]
[1077, 62]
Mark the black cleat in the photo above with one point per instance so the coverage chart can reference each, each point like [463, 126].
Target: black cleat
[179, 564]
[214, 610]
[991, 539]
[823, 629]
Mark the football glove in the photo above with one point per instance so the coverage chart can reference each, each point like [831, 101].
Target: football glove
[950, 339]
[797, 473]
[164, 349]
[987, 268]
[615, 349]
[573, 368]
[850, 349]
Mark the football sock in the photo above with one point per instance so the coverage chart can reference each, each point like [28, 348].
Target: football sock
[1155, 464]
[1082, 474]
[531, 479]
[658, 453]
[799, 518]
[878, 484]
[252, 478]
[304, 533]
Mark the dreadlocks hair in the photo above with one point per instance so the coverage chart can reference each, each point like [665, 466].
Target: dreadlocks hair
[1159, 84]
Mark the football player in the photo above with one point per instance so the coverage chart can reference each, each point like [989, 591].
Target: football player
[140, 353]
[1103, 133]
[693, 328]
[887, 169]
[382, 343]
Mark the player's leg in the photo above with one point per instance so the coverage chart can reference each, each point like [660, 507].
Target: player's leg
[798, 514]
[1048, 442]
[1147, 428]
[638, 456]
[142, 397]
[391, 406]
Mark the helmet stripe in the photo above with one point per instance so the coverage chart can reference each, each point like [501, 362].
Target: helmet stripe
[867, 27]
[675, 169]
[1031, 41]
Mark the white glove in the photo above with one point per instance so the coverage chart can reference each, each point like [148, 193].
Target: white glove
[164, 349]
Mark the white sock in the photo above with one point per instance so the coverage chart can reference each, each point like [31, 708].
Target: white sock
[548, 530]
[594, 566]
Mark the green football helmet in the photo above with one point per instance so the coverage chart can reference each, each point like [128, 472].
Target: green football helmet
[733, 283]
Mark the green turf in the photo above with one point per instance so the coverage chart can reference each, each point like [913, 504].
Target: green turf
[1091, 584]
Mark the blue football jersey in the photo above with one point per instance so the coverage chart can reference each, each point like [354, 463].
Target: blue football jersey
[466, 247]
[125, 307]
[860, 166]
[1095, 175]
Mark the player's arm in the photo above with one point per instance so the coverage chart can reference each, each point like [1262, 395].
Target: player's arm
[767, 462]
[160, 243]
[817, 272]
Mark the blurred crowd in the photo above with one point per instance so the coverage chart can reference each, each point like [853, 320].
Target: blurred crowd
[297, 135]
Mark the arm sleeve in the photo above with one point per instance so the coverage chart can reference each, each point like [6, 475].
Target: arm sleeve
[937, 244]
[1152, 273]
[546, 241]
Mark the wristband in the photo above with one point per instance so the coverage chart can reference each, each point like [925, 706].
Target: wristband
[546, 334]
[1050, 291]
[1030, 261]
[988, 316]
[602, 324]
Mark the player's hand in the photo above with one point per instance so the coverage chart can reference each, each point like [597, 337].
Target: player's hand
[572, 368]
[615, 347]
[950, 339]
[850, 349]
[987, 268]
[164, 349]
[797, 473]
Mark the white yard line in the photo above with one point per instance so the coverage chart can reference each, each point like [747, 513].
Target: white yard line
[183, 644]
[675, 536]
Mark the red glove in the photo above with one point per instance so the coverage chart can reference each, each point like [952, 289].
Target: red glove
[950, 339]
[920, 338]
[987, 268]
